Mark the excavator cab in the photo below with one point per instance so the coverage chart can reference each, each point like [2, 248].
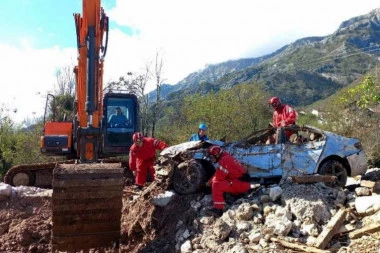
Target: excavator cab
[120, 121]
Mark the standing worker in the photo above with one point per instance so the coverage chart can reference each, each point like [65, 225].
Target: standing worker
[226, 179]
[201, 135]
[283, 115]
[142, 156]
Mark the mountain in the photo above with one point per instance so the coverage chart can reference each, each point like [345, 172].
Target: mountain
[305, 71]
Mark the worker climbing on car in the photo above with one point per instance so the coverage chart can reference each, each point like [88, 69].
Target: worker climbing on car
[201, 135]
[142, 156]
[226, 179]
[283, 115]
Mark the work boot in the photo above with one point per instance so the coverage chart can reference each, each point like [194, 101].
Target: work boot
[214, 212]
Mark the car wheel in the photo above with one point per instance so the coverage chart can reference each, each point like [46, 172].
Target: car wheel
[25, 178]
[189, 179]
[334, 168]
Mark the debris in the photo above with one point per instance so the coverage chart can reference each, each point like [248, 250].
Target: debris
[163, 199]
[298, 246]
[363, 205]
[346, 229]
[365, 230]
[313, 179]
[367, 183]
[331, 229]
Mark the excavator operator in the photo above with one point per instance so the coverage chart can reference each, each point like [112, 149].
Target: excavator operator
[117, 119]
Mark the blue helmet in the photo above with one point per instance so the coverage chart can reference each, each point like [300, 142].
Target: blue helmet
[202, 127]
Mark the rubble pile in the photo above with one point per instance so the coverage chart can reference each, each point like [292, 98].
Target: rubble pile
[286, 217]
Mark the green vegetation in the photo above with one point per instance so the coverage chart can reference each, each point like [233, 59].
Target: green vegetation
[232, 113]
[18, 146]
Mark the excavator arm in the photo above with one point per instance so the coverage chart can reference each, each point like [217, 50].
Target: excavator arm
[92, 31]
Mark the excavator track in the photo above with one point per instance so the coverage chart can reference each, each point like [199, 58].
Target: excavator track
[41, 174]
[87, 203]
[37, 174]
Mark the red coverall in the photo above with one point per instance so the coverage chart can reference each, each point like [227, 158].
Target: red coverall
[284, 116]
[141, 159]
[226, 179]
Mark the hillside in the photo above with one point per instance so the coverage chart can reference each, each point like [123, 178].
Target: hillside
[301, 73]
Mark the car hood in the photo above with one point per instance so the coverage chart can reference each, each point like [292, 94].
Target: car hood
[190, 145]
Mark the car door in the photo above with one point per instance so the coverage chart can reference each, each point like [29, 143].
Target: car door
[300, 156]
[259, 160]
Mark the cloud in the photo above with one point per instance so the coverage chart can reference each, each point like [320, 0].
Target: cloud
[29, 75]
[191, 34]
[187, 34]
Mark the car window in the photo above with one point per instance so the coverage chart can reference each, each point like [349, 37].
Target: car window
[257, 138]
[305, 135]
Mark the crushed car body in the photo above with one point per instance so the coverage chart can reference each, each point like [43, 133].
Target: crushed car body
[307, 151]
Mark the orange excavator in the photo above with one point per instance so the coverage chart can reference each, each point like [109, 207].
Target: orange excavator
[88, 185]
[90, 137]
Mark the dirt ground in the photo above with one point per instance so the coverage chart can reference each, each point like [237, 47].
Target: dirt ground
[26, 223]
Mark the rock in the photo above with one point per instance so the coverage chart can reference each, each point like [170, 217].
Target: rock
[5, 191]
[308, 201]
[254, 237]
[267, 210]
[264, 199]
[195, 205]
[362, 191]
[221, 229]
[163, 199]
[207, 200]
[186, 247]
[244, 212]
[238, 248]
[275, 193]
[242, 226]
[363, 204]
[309, 229]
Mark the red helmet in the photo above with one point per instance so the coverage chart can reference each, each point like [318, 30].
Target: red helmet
[214, 150]
[137, 136]
[274, 101]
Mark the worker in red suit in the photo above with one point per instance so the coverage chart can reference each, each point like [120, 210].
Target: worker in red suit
[142, 156]
[283, 115]
[226, 179]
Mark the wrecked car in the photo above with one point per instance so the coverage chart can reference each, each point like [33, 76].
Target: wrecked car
[270, 154]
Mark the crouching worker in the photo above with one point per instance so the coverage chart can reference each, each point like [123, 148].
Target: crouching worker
[142, 156]
[225, 179]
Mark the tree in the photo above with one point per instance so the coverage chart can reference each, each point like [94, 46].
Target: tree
[158, 71]
[18, 145]
[61, 107]
[136, 84]
[65, 81]
[231, 113]
[356, 118]
[365, 94]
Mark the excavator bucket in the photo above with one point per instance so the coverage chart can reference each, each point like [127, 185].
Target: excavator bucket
[87, 203]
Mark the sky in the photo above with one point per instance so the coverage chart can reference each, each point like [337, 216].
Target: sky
[37, 38]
